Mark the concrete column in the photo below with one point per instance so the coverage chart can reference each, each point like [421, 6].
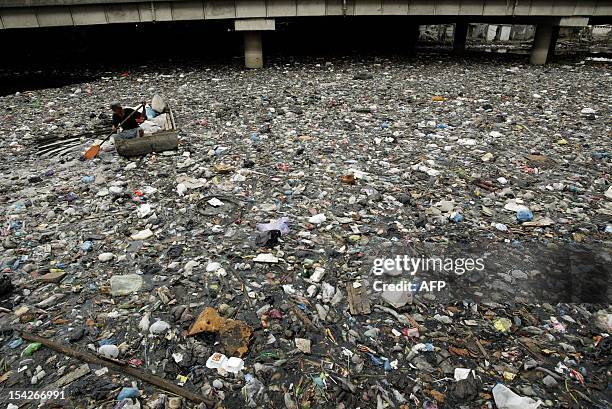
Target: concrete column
[542, 44]
[252, 28]
[253, 54]
[460, 37]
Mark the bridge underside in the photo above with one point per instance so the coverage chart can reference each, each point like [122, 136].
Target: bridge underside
[255, 16]
[50, 13]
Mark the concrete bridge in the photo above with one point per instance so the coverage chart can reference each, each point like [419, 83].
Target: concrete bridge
[254, 16]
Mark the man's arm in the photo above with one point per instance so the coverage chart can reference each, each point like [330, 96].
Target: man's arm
[115, 123]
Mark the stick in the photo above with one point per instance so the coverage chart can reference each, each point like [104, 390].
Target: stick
[551, 373]
[479, 345]
[118, 367]
[305, 320]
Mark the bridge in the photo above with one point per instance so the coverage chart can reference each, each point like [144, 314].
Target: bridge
[252, 17]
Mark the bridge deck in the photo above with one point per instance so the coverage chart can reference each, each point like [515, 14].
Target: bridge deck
[49, 13]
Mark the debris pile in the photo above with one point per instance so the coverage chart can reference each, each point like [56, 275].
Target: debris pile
[242, 269]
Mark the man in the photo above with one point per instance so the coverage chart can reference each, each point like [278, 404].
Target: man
[130, 128]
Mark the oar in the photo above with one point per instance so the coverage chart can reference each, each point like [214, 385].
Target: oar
[93, 151]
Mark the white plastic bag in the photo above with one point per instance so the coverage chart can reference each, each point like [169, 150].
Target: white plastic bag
[506, 399]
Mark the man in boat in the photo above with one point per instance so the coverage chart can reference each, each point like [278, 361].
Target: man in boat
[130, 128]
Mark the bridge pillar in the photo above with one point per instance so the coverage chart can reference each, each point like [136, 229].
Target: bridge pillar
[460, 37]
[252, 28]
[253, 53]
[543, 44]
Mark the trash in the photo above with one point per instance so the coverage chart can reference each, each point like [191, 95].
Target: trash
[216, 360]
[233, 365]
[603, 321]
[281, 225]
[457, 218]
[15, 343]
[467, 387]
[287, 188]
[502, 324]
[144, 210]
[540, 222]
[487, 157]
[303, 345]
[549, 381]
[524, 215]
[266, 258]
[269, 233]
[120, 368]
[87, 246]
[30, 349]
[501, 227]
[104, 257]
[252, 391]
[348, 179]
[54, 277]
[125, 284]
[267, 238]
[317, 219]
[411, 332]
[317, 275]
[462, 373]
[234, 335]
[506, 399]
[109, 351]
[142, 235]
[222, 168]
[359, 302]
[6, 286]
[430, 405]
[127, 393]
[587, 111]
[444, 319]
[214, 202]
[159, 327]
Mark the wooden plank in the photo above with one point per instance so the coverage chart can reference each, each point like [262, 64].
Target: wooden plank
[359, 303]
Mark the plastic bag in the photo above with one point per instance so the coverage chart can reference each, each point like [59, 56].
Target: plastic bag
[252, 391]
[506, 399]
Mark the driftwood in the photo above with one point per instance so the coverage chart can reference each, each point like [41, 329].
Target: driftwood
[158, 142]
[359, 303]
[120, 367]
